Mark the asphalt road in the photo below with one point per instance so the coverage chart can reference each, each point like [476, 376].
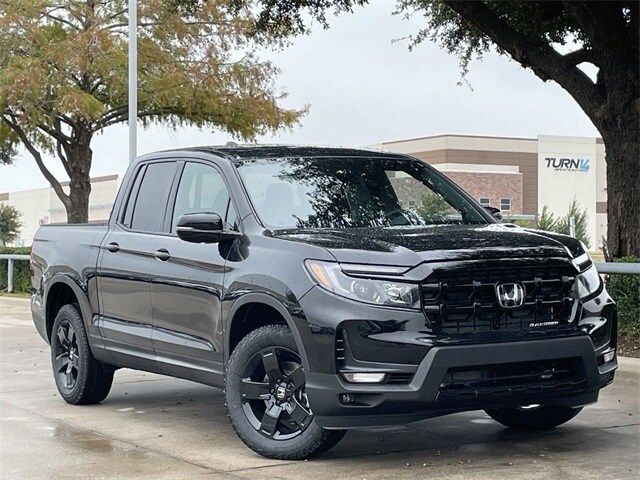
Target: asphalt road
[157, 427]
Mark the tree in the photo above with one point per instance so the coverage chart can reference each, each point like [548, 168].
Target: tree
[531, 33]
[548, 222]
[63, 78]
[433, 206]
[579, 218]
[9, 224]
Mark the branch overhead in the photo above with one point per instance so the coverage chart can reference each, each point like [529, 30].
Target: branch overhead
[541, 57]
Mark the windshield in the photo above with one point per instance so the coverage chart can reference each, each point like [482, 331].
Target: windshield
[337, 193]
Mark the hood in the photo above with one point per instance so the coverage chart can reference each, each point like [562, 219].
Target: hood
[411, 246]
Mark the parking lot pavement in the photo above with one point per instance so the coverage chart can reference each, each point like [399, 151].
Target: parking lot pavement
[158, 427]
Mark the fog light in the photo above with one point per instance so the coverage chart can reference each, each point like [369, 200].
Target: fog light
[347, 398]
[363, 377]
[607, 357]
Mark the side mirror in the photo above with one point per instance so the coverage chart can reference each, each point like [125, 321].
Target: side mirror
[495, 212]
[203, 228]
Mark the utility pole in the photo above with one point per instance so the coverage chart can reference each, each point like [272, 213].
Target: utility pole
[133, 79]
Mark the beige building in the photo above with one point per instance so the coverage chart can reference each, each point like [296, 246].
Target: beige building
[41, 205]
[522, 175]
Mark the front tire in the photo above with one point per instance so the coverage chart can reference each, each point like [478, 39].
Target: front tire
[80, 378]
[542, 417]
[266, 400]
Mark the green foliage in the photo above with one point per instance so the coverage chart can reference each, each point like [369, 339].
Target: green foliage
[8, 142]
[433, 206]
[9, 224]
[544, 22]
[548, 222]
[521, 222]
[579, 216]
[625, 290]
[21, 271]
[66, 63]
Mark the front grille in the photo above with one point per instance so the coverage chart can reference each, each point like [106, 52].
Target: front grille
[462, 299]
[509, 380]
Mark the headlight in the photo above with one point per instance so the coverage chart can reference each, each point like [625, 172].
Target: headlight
[589, 281]
[330, 276]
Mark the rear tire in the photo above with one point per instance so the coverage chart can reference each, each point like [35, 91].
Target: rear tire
[80, 378]
[543, 417]
[290, 431]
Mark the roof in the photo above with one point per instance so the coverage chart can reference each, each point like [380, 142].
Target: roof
[456, 135]
[233, 151]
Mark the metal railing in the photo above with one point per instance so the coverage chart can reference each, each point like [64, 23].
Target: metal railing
[10, 258]
[623, 268]
[602, 267]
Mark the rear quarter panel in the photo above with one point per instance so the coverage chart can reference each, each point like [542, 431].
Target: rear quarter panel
[67, 254]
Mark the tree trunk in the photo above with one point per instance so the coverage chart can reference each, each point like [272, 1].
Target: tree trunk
[79, 157]
[79, 190]
[623, 187]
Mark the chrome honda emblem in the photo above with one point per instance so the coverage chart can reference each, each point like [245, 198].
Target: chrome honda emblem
[510, 295]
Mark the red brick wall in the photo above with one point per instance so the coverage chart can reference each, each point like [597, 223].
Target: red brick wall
[493, 186]
[526, 162]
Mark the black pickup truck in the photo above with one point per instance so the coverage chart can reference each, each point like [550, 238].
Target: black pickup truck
[324, 289]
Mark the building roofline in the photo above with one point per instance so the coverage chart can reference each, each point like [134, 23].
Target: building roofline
[102, 178]
[495, 137]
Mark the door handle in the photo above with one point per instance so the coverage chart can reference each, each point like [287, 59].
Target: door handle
[162, 254]
[113, 247]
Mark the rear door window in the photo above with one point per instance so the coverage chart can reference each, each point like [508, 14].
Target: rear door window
[151, 201]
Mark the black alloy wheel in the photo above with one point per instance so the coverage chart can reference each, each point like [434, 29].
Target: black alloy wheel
[266, 398]
[273, 396]
[66, 360]
[80, 378]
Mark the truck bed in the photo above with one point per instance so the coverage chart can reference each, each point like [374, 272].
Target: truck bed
[67, 248]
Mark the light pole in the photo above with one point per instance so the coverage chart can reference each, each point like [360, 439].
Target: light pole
[133, 79]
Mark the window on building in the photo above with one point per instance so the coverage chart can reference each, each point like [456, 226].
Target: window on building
[505, 204]
[484, 202]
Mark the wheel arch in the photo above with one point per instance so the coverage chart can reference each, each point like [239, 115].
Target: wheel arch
[62, 290]
[239, 312]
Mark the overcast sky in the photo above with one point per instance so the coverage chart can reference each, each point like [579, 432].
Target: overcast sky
[363, 88]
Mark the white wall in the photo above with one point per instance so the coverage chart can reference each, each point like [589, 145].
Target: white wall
[559, 185]
[34, 208]
[42, 205]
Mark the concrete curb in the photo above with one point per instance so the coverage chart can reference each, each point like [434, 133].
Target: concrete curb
[11, 300]
[629, 365]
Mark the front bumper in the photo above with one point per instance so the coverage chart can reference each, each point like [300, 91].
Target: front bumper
[423, 397]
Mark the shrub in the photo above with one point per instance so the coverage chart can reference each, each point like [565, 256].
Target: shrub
[9, 224]
[21, 271]
[625, 290]
[547, 221]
